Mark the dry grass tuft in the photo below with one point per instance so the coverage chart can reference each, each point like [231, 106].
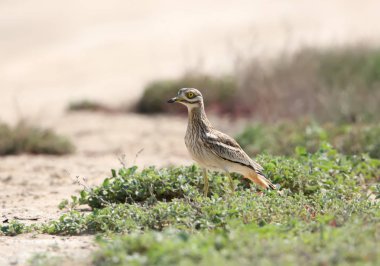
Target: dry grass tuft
[334, 84]
[25, 138]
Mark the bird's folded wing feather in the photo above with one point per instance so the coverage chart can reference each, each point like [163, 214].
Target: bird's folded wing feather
[228, 149]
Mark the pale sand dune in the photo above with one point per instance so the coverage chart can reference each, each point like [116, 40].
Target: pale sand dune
[52, 52]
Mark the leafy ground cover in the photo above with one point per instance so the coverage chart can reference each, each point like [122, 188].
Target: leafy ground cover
[282, 138]
[326, 213]
[296, 243]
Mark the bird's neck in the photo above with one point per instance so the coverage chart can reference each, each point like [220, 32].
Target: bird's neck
[198, 118]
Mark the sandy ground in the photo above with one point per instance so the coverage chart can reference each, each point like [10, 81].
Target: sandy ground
[33, 186]
[54, 52]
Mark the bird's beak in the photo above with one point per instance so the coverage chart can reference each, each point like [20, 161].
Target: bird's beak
[173, 100]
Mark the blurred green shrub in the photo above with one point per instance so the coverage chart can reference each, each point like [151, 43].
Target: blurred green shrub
[283, 138]
[45, 259]
[24, 138]
[217, 91]
[86, 105]
[329, 84]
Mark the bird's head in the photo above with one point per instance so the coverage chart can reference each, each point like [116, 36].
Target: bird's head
[188, 96]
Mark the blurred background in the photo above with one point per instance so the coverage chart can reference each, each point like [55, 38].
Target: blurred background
[55, 52]
[274, 74]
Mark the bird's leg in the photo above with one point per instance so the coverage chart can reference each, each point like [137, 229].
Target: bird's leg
[205, 179]
[232, 186]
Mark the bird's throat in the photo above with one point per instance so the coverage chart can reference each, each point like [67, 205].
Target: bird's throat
[198, 118]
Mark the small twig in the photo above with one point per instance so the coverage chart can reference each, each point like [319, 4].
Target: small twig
[89, 190]
[122, 160]
[137, 155]
[26, 219]
[83, 184]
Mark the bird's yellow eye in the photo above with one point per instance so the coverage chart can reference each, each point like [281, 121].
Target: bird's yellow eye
[190, 95]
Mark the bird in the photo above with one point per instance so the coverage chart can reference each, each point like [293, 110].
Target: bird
[212, 149]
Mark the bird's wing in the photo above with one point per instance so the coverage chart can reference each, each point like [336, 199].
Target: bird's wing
[228, 149]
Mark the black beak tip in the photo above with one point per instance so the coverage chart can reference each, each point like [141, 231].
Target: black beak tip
[171, 100]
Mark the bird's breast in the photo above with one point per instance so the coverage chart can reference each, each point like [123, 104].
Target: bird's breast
[199, 151]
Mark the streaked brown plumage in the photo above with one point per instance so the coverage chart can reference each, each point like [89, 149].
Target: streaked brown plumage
[212, 149]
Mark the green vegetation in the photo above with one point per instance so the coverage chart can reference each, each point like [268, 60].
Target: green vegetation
[86, 105]
[332, 84]
[93, 106]
[217, 91]
[156, 199]
[324, 207]
[327, 212]
[24, 138]
[293, 243]
[283, 138]
[42, 259]
[13, 228]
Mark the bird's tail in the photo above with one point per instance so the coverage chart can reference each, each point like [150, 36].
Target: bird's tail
[260, 179]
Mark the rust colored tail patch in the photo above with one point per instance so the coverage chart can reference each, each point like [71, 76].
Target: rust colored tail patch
[260, 180]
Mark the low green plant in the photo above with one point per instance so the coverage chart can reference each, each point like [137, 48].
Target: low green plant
[325, 211]
[291, 243]
[13, 228]
[155, 199]
[25, 138]
[283, 138]
[43, 259]
[325, 169]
